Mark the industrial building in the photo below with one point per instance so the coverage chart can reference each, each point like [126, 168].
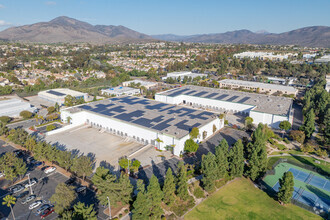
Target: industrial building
[176, 75]
[262, 87]
[58, 95]
[146, 84]
[12, 107]
[325, 59]
[120, 90]
[165, 126]
[263, 55]
[264, 109]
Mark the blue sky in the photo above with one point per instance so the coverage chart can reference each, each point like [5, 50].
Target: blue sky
[174, 16]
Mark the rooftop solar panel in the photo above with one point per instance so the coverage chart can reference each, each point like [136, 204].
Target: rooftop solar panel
[190, 92]
[201, 93]
[163, 125]
[143, 122]
[178, 92]
[244, 99]
[232, 98]
[55, 93]
[221, 97]
[157, 106]
[211, 95]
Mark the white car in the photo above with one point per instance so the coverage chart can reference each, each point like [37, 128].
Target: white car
[50, 169]
[32, 182]
[35, 204]
[2, 175]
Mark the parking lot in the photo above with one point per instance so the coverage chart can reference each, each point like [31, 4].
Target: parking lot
[43, 189]
[104, 147]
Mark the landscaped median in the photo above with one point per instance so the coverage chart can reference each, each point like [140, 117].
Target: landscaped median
[242, 200]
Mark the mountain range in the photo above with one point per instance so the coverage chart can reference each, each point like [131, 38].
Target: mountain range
[315, 36]
[68, 30]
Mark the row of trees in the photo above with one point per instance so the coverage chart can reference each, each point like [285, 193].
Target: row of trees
[81, 165]
[12, 166]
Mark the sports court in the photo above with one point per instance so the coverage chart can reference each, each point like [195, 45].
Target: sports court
[310, 188]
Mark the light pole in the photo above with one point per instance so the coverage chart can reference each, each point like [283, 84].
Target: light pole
[109, 208]
[30, 183]
[128, 166]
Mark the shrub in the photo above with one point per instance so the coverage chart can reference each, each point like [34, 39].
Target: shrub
[298, 136]
[190, 146]
[25, 114]
[198, 192]
[220, 183]
[321, 153]
[5, 119]
[280, 146]
[120, 215]
[126, 211]
[50, 127]
[307, 148]
[286, 141]
[51, 109]
[226, 122]
[273, 142]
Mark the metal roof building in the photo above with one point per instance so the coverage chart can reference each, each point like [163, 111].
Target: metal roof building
[144, 120]
[13, 107]
[58, 95]
[264, 109]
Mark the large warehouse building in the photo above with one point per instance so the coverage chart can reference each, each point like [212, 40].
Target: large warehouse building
[58, 95]
[13, 107]
[264, 109]
[263, 87]
[163, 125]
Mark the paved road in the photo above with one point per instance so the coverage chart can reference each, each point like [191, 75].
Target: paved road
[23, 124]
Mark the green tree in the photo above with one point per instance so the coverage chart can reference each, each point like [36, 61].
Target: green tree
[5, 119]
[64, 159]
[141, 206]
[309, 123]
[285, 125]
[124, 163]
[63, 197]
[253, 169]
[194, 133]
[3, 129]
[57, 107]
[51, 109]
[236, 159]
[209, 169]
[221, 158]
[169, 188]
[182, 185]
[25, 114]
[82, 166]
[286, 188]
[69, 100]
[155, 196]
[9, 201]
[190, 146]
[83, 212]
[248, 123]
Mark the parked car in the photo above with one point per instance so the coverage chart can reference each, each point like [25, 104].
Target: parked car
[29, 159]
[47, 212]
[81, 189]
[22, 195]
[43, 208]
[37, 163]
[70, 181]
[28, 199]
[50, 169]
[32, 182]
[35, 204]
[17, 188]
[2, 175]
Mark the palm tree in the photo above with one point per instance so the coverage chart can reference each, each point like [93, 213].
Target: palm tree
[9, 201]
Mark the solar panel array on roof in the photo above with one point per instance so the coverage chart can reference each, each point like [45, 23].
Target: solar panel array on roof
[150, 114]
[201, 93]
[243, 99]
[221, 97]
[211, 95]
[179, 92]
[190, 92]
[55, 93]
[232, 98]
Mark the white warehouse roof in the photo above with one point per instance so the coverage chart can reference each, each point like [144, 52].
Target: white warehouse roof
[259, 85]
[12, 107]
[61, 93]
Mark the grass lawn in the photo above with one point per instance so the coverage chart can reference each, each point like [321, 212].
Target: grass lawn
[241, 200]
[324, 166]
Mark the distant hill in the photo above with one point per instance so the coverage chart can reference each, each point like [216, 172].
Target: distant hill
[69, 30]
[315, 36]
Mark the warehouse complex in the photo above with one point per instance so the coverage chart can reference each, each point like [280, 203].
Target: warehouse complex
[181, 75]
[165, 126]
[264, 109]
[58, 95]
[120, 90]
[146, 84]
[262, 87]
[12, 107]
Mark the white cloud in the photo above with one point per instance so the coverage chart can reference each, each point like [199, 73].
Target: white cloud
[50, 3]
[2, 6]
[4, 23]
